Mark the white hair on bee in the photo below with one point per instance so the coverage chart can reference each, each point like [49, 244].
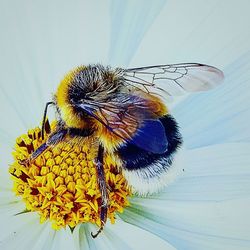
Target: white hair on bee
[155, 177]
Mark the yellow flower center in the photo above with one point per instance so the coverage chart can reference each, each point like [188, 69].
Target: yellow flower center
[61, 184]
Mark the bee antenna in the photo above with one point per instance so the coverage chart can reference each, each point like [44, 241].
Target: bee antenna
[98, 232]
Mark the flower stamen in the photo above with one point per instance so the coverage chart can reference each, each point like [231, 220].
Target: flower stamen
[61, 184]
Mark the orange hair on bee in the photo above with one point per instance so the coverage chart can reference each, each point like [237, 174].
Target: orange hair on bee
[157, 106]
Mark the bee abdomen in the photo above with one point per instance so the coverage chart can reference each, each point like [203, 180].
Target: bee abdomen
[147, 172]
[137, 158]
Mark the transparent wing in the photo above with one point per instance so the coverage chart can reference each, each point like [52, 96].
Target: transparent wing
[122, 116]
[174, 79]
[132, 119]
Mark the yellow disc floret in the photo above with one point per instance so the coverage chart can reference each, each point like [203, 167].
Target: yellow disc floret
[61, 184]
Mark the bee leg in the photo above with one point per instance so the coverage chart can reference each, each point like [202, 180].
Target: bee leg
[103, 188]
[53, 139]
[44, 117]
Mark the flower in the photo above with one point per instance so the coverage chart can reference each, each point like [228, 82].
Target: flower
[61, 185]
[207, 207]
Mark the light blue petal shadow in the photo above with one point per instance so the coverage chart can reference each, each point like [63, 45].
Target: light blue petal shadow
[177, 235]
[104, 241]
[221, 115]
[130, 20]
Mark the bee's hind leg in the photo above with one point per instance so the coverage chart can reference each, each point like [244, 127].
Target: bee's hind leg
[53, 139]
[103, 189]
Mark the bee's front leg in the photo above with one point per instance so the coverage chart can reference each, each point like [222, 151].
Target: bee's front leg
[103, 189]
[53, 139]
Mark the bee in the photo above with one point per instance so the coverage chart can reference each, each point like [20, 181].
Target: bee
[125, 110]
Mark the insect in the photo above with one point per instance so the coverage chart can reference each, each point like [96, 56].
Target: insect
[125, 110]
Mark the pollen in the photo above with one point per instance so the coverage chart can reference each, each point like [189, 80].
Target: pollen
[61, 184]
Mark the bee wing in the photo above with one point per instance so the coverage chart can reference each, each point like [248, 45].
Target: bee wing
[174, 79]
[132, 121]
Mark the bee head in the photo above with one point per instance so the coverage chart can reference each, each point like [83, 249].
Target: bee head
[86, 85]
[93, 84]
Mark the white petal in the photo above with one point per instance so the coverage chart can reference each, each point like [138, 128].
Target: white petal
[5, 178]
[213, 173]
[11, 208]
[206, 217]
[63, 240]
[129, 26]
[6, 147]
[46, 238]
[10, 204]
[103, 241]
[135, 237]
[121, 235]
[81, 238]
[24, 231]
[20, 232]
[209, 34]
[184, 235]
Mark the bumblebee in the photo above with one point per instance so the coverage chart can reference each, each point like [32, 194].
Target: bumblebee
[125, 111]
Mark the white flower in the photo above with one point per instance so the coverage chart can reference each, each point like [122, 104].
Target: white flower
[208, 206]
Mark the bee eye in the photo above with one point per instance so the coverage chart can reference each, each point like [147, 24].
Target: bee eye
[74, 100]
[75, 95]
